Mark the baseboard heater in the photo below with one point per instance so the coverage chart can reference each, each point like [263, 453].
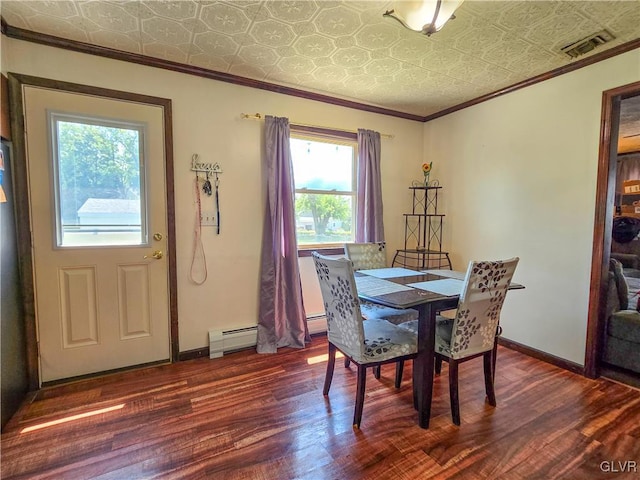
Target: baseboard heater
[227, 341]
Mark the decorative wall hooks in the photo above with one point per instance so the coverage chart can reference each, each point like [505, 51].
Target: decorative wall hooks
[208, 167]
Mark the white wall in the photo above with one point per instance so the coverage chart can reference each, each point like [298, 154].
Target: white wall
[519, 178]
[206, 120]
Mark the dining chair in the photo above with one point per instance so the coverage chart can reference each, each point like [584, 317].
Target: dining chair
[474, 330]
[366, 344]
[368, 256]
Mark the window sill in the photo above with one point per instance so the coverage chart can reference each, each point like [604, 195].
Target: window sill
[306, 252]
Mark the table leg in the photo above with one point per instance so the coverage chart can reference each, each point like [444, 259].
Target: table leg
[424, 363]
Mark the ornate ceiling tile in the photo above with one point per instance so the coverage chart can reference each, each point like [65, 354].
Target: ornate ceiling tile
[522, 16]
[166, 31]
[176, 10]
[510, 47]
[119, 41]
[377, 36]
[477, 41]
[216, 44]
[162, 50]
[468, 69]
[412, 49]
[272, 33]
[109, 16]
[258, 55]
[383, 66]
[350, 57]
[314, 46]
[343, 48]
[322, 61]
[441, 59]
[564, 27]
[282, 77]
[286, 51]
[296, 65]
[72, 29]
[337, 21]
[411, 77]
[303, 29]
[225, 18]
[209, 61]
[53, 9]
[293, 11]
[248, 70]
[345, 42]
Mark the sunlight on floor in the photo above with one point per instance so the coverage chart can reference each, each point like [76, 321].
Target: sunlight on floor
[71, 418]
[322, 358]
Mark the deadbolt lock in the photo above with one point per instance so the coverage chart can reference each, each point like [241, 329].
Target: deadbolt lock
[157, 237]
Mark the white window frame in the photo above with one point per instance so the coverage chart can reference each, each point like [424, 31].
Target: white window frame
[353, 193]
[54, 118]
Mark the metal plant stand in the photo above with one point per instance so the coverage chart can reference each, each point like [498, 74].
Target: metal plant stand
[423, 233]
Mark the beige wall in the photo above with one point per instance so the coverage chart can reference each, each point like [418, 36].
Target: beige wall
[518, 173]
[519, 177]
[206, 120]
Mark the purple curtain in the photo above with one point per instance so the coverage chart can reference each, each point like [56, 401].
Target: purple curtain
[369, 226]
[281, 320]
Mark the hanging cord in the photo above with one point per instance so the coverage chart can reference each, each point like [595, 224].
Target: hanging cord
[198, 248]
[217, 183]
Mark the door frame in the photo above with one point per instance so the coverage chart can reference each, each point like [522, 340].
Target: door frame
[25, 247]
[603, 222]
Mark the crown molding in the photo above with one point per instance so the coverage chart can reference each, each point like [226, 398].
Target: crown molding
[73, 45]
[53, 41]
[585, 62]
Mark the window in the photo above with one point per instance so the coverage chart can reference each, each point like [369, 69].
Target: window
[99, 188]
[324, 171]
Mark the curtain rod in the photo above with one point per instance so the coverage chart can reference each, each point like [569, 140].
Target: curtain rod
[259, 116]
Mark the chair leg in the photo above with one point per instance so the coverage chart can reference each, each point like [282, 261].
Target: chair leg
[438, 364]
[493, 360]
[488, 377]
[331, 362]
[414, 383]
[362, 380]
[399, 372]
[347, 362]
[453, 391]
[495, 352]
[376, 372]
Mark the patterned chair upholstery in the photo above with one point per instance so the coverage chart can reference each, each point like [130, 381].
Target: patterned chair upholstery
[367, 256]
[367, 344]
[474, 330]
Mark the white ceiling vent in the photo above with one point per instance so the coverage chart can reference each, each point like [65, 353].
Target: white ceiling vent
[587, 44]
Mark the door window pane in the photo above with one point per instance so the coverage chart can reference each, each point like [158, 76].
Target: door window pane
[99, 187]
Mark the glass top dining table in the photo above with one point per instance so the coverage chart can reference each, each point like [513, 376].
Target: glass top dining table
[428, 292]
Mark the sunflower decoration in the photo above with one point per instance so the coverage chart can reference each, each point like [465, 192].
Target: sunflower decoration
[426, 170]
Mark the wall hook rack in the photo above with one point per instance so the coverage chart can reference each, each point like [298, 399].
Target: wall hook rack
[207, 167]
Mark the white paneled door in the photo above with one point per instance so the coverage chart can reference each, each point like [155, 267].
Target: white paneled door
[99, 221]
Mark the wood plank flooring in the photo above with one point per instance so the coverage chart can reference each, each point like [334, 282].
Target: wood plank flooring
[250, 416]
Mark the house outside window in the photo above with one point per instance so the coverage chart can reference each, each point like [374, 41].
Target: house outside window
[324, 170]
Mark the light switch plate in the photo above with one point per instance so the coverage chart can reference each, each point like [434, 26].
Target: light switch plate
[208, 219]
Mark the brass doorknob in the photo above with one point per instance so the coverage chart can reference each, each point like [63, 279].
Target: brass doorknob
[157, 255]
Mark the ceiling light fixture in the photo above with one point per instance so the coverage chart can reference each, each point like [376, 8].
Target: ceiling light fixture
[424, 16]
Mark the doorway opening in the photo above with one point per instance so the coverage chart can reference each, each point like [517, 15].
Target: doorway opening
[609, 208]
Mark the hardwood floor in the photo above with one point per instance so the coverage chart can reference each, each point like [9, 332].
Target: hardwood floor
[250, 416]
